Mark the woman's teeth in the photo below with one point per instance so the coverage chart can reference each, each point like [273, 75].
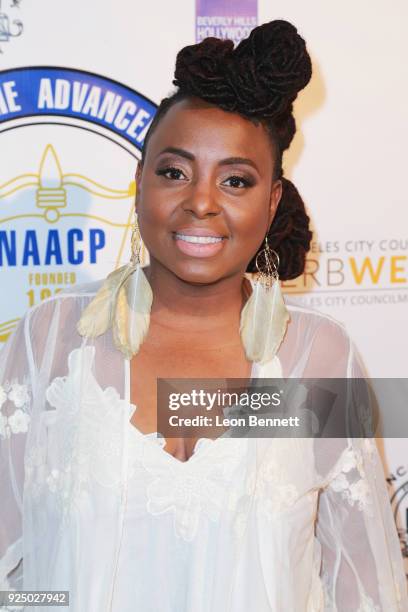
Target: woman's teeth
[198, 239]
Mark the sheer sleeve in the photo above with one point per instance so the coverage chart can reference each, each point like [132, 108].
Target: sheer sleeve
[361, 559]
[15, 410]
[362, 567]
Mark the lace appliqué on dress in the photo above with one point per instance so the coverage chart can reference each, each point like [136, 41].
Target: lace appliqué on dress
[270, 490]
[16, 394]
[349, 479]
[84, 437]
[193, 488]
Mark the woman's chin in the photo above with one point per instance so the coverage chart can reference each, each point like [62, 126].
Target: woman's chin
[198, 272]
[192, 270]
[198, 277]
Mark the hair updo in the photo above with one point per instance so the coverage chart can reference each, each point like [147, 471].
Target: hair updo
[259, 79]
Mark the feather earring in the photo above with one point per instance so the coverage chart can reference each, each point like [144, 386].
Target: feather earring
[264, 317]
[123, 303]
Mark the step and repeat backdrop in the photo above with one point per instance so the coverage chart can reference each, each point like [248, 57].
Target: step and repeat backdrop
[79, 86]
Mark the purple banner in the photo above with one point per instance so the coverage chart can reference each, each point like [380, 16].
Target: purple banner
[232, 19]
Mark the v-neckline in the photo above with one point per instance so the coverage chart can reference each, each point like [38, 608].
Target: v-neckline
[156, 441]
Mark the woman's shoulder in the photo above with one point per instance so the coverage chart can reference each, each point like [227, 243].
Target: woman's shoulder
[316, 342]
[312, 318]
[79, 293]
[61, 310]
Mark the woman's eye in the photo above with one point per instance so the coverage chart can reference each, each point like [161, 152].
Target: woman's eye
[237, 182]
[171, 173]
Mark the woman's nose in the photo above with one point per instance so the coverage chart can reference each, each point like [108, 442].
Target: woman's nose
[202, 201]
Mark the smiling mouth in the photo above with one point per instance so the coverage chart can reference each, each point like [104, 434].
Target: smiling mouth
[199, 245]
[198, 239]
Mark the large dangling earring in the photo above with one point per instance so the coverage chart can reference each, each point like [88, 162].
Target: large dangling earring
[123, 302]
[134, 303]
[264, 317]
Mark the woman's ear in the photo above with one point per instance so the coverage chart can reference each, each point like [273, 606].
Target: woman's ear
[276, 195]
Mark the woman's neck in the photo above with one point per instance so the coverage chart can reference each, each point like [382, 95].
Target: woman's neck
[181, 306]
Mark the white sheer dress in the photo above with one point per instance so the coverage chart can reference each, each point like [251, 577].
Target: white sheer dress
[91, 505]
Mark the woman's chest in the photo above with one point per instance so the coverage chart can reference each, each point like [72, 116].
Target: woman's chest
[186, 368]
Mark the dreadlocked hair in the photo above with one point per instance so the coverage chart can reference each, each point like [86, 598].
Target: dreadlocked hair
[259, 79]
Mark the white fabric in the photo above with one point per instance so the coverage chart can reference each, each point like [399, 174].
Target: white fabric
[95, 507]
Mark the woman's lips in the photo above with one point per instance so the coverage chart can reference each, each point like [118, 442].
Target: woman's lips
[197, 249]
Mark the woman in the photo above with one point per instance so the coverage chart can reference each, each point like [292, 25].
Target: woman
[126, 520]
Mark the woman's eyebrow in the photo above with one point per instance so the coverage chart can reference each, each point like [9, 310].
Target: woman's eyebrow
[238, 160]
[224, 162]
[177, 151]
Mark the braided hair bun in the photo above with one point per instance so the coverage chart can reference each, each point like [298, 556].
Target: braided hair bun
[259, 79]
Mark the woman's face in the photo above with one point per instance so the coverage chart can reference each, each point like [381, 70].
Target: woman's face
[205, 194]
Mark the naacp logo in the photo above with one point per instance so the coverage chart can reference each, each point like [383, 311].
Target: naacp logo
[9, 28]
[71, 140]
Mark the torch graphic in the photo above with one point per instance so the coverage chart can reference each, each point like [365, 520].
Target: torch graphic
[51, 194]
